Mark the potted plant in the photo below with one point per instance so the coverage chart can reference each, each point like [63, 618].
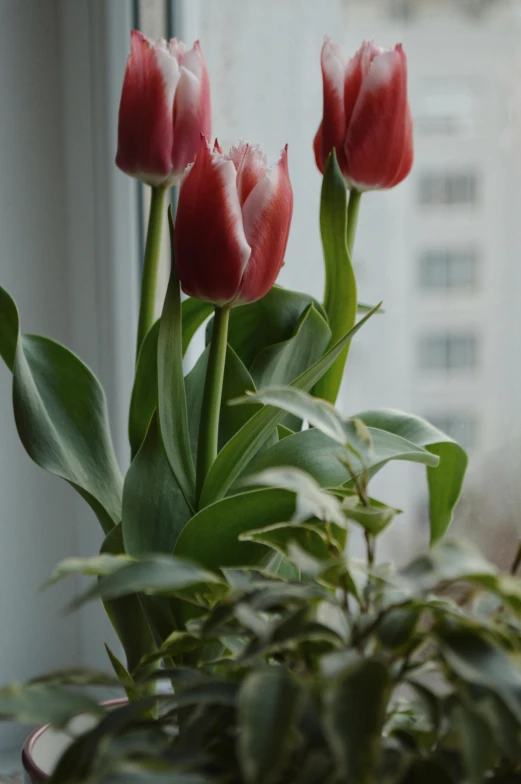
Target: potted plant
[249, 437]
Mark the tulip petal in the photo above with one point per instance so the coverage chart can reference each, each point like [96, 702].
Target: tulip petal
[355, 73]
[211, 248]
[267, 217]
[251, 166]
[380, 132]
[145, 125]
[331, 133]
[192, 110]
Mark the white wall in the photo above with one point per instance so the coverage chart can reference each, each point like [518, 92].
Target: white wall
[37, 512]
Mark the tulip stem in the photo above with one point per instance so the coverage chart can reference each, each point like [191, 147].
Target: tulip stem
[147, 308]
[353, 210]
[209, 425]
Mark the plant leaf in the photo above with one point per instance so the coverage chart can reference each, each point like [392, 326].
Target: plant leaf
[321, 457]
[173, 418]
[266, 322]
[211, 536]
[61, 415]
[238, 452]
[340, 299]
[43, 703]
[143, 402]
[355, 712]
[268, 708]
[154, 509]
[194, 313]
[446, 480]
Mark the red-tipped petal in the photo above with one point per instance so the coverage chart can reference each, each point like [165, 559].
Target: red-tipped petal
[379, 138]
[192, 109]
[355, 73]
[211, 250]
[267, 218]
[333, 128]
[251, 166]
[145, 114]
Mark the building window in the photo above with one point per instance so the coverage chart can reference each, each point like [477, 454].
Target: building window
[447, 108]
[448, 189]
[448, 269]
[462, 426]
[448, 351]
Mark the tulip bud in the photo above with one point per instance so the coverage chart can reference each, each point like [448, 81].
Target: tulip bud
[165, 106]
[232, 227]
[367, 117]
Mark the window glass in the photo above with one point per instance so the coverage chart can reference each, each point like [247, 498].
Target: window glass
[450, 351]
[448, 269]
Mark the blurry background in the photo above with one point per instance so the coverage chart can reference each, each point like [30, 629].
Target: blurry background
[443, 250]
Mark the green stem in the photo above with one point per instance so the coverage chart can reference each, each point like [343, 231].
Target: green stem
[147, 308]
[353, 211]
[213, 387]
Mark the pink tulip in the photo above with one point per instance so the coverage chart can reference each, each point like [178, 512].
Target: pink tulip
[165, 106]
[232, 227]
[367, 117]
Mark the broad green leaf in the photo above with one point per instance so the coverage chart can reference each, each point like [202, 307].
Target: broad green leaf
[446, 480]
[269, 321]
[281, 363]
[318, 413]
[340, 297]
[173, 419]
[397, 626]
[235, 456]
[95, 566]
[323, 458]
[194, 313]
[42, 703]
[476, 660]
[236, 382]
[269, 706]
[154, 509]
[355, 713]
[449, 561]
[211, 536]
[310, 501]
[156, 574]
[280, 535]
[143, 402]
[373, 518]
[9, 328]
[61, 415]
[477, 743]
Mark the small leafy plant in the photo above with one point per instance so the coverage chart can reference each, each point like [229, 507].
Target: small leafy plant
[339, 671]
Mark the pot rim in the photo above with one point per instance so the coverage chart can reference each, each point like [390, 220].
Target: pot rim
[29, 765]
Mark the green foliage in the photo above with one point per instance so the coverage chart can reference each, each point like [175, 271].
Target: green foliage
[351, 672]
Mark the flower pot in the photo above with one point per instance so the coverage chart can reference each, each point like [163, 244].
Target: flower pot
[44, 747]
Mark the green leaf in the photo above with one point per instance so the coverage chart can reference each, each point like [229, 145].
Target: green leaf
[477, 743]
[280, 535]
[143, 402]
[340, 299]
[154, 509]
[446, 480]
[173, 419]
[355, 712]
[311, 500]
[397, 626]
[238, 452]
[61, 415]
[42, 703]
[323, 458]
[476, 660]
[236, 382]
[194, 313]
[156, 574]
[268, 321]
[428, 772]
[449, 561]
[281, 363]
[268, 709]
[373, 518]
[211, 536]
[123, 675]
[9, 328]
